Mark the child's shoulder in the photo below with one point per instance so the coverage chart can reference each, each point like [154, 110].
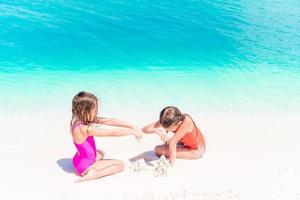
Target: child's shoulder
[187, 118]
[188, 121]
[79, 133]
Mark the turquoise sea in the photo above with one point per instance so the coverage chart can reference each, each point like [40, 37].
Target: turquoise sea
[206, 57]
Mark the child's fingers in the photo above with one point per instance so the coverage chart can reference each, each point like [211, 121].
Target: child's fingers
[168, 140]
[138, 139]
[163, 137]
[138, 135]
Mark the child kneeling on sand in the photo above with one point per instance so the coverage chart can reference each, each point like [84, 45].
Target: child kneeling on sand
[187, 142]
[88, 162]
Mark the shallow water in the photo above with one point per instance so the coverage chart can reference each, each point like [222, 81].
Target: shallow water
[206, 57]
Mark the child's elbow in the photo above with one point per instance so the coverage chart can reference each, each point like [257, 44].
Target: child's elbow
[145, 129]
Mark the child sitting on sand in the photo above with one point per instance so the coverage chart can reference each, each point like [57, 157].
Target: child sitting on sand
[187, 142]
[88, 162]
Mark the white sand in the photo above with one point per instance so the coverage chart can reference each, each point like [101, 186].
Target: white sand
[248, 157]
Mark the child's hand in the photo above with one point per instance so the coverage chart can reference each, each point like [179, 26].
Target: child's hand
[138, 134]
[172, 164]
[168, 140]
[163, 135]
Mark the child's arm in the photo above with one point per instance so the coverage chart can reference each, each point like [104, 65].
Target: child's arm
[187, 126]
[114, 122]
[152, 128]
[155, 128]
[93, 131]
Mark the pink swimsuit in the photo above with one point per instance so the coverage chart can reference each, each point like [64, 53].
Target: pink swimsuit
[86, 153]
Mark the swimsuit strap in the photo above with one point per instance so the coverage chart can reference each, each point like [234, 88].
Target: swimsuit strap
[177, 128]
[197, 131]
[195, 126]
[191, 119]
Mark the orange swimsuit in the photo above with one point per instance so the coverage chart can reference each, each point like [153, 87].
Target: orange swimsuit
[193, 139]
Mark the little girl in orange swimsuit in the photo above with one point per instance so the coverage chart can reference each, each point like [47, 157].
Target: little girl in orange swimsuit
[88, 162]
[187, 142]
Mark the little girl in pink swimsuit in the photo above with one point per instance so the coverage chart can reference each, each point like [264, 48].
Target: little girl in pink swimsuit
[88, 162]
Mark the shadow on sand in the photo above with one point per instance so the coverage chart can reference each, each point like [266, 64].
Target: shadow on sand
[66, 164]
[148, 157]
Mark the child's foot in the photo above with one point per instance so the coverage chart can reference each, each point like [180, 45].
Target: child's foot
[78, 180]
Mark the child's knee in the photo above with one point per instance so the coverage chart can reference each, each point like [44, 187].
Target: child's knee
[162, 150]
[159, 150]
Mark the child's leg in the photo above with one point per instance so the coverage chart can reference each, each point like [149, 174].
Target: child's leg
[100, 154]
[181, 152]
[102, 168]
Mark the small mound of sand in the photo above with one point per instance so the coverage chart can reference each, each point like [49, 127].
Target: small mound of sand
[162, 167]
[138, 166]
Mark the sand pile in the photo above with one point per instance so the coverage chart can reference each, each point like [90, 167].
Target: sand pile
[159, 168]
[138, 167]
[162, 167]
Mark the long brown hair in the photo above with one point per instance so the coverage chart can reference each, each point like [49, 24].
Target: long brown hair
[82, 105]
[170, 116]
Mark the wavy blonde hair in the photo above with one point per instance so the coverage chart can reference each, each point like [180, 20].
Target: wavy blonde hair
[82, 105]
